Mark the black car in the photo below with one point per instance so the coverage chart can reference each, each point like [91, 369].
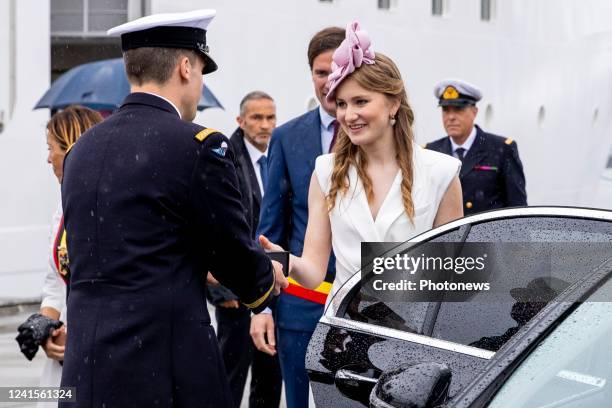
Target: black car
[379, 352]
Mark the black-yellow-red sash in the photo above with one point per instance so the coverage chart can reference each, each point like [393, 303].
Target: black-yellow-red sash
[318, 295]
[60, 253]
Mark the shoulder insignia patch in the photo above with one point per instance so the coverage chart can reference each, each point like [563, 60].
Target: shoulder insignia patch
[220, 151]
[203, 134]
[509, 141]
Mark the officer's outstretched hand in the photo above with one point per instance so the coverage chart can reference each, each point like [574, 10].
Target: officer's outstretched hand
[262, 333]
[280, 282]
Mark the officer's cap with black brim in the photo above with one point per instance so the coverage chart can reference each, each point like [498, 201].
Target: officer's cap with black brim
[455, 92]
[170, 30]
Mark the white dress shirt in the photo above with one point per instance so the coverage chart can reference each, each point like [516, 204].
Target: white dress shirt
[466, 145]
[167, 100]
[327, 129]
[255, 155]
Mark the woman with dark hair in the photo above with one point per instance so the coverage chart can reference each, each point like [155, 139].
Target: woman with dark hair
[378, 185]
[63, 130]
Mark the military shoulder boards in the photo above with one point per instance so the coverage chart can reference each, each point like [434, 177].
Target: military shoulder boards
[203, 134]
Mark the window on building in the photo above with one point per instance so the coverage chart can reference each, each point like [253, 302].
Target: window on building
[384, 4]
[439, 7]
[85, 18]
[78, 30]
[487, 10]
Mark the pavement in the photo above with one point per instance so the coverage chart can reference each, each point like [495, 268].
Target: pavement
[16, 370]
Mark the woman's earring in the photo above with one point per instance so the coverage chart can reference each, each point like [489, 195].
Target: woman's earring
[392, 120]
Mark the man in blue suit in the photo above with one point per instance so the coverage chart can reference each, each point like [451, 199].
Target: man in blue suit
[284, 216]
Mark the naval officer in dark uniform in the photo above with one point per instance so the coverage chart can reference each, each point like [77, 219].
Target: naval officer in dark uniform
[151, 203]
[492, 173]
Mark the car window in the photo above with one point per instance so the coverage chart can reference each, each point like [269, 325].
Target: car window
[541, 229]
[572, 367]
[488, 319]
[402, 315]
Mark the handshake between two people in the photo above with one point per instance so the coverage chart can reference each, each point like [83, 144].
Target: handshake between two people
[280, 277]
[262, 325]
[308, 270]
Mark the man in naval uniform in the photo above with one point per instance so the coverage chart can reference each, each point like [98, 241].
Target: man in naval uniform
[151, 202]
[491, 174]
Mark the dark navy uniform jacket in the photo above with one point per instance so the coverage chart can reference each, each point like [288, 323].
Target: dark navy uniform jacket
[151, 203]
[491, 174]
[251, 201]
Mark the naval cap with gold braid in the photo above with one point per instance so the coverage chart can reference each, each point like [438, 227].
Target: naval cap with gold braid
[456, 92]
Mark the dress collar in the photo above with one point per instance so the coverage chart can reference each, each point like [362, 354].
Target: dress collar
[468, 142]
[326, 118]
[254, 153]
[167, 100]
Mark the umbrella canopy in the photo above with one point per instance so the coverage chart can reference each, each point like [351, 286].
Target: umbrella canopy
[100, 85]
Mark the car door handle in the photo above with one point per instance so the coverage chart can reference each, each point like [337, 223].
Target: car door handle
[350, 377]
[356, 382]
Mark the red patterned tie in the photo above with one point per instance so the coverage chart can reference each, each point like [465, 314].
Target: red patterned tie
[336, 127]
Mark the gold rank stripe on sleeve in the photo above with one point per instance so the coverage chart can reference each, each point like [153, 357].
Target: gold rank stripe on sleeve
[203, 134]
[263, 298]
[509, 141]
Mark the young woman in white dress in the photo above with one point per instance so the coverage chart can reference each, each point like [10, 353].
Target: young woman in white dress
[63, 130]
[378, 185]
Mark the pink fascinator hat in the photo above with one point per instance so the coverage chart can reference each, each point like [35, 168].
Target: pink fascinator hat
[355, 49]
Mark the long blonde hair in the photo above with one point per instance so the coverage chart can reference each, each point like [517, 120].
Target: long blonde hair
[68, 125]
[383, 76]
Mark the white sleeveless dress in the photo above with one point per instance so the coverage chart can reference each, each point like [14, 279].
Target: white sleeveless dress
[351, 219]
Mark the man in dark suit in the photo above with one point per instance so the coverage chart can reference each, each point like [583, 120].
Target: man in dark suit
[284, 216]
[250, 146]
[492, 173]
[151, 200]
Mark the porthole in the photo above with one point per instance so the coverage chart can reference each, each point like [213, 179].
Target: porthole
[541, 116]
[488, 115]
[595, 116]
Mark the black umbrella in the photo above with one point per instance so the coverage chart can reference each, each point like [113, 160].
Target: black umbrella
[100, 85]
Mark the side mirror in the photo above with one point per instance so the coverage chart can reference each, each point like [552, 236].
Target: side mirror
[421, 385]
